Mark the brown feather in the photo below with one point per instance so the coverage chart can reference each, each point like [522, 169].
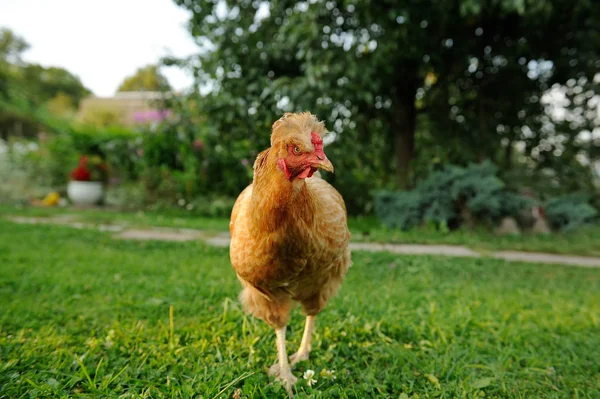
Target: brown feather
[289, 239]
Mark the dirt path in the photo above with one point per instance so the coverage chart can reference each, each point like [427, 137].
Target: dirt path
[222, 240]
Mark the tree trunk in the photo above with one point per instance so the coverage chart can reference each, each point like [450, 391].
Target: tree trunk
[508, 155]
[403, 125]
[404, 144]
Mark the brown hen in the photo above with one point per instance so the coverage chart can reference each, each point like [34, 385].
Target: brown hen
[289, 235]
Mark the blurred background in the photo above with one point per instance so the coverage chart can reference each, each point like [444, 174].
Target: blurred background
[443, 115]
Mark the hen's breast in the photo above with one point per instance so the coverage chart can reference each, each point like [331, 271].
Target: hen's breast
[300, 249]
[264, 258]
[331, 222]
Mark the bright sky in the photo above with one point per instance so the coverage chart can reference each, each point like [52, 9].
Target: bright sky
[102, 42]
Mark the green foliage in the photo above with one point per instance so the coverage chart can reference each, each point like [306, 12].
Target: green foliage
[164, 166]
[93, 321]
[101, 116]
[19, 180]
[450, 197]
[62, 105]
[569, 211]
[60, 149]
[399, 210]
[51, 164]
[26, 88]
[147, 78]
[547, 182]
[428, 80]
[12, 46]
[217, 162]
[42, 84]
[17, 115]
[513, 204]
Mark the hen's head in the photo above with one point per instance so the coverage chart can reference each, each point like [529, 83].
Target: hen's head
[297, 140]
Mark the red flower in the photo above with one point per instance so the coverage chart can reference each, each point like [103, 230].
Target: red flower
[90, 169]
[81, 174]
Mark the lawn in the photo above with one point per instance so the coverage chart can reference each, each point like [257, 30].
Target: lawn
[84, 315]
[583, 241]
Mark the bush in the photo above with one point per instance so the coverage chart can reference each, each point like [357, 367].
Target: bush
[569, 211]
[119, 146]
[401, 210]
[16, 185]
[58, 154]
[451, 197]
[159, 167]
[51, 163]
[211, 206]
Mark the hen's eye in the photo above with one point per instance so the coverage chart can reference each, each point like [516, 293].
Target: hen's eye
[297, 150]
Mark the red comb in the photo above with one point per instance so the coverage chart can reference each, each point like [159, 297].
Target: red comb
[316, 139]
[317, 143]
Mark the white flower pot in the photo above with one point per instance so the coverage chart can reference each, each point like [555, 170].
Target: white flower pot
[85, 192]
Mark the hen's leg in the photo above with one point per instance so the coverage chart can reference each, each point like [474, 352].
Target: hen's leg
[304, 349]
[281, 369]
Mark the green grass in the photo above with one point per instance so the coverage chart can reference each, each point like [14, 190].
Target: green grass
[84, 315]
[580, 242]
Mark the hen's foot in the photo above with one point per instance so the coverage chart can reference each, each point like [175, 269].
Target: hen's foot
[297, 357]
[304, 349]
[286, 377]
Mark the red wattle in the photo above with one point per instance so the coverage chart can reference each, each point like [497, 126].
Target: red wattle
[306, 173]
[281, 164]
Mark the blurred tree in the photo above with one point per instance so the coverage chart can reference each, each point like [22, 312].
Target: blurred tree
[541, 46]
[472, 73]
[567, 143]
[11, 50]
[12, 46]
[147, 78]
[61, 105]
[43, 84]
[25, 87]
[102, 116]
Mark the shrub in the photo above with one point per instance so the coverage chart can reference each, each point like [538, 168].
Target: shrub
[51, 163]
[119, 146]
[15, 185]
[212, 206]
[401, 210]
[450, 197]
[569, 211]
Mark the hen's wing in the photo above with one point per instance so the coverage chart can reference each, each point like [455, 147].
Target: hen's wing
[240, 204]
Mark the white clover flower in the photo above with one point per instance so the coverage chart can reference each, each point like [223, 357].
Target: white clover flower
[308, 376]
[329, 374]
[91, 342]
[109, 339]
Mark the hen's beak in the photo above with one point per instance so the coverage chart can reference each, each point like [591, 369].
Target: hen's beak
[324, 164]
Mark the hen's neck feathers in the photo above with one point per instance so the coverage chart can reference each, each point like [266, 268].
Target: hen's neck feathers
[277, 202]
